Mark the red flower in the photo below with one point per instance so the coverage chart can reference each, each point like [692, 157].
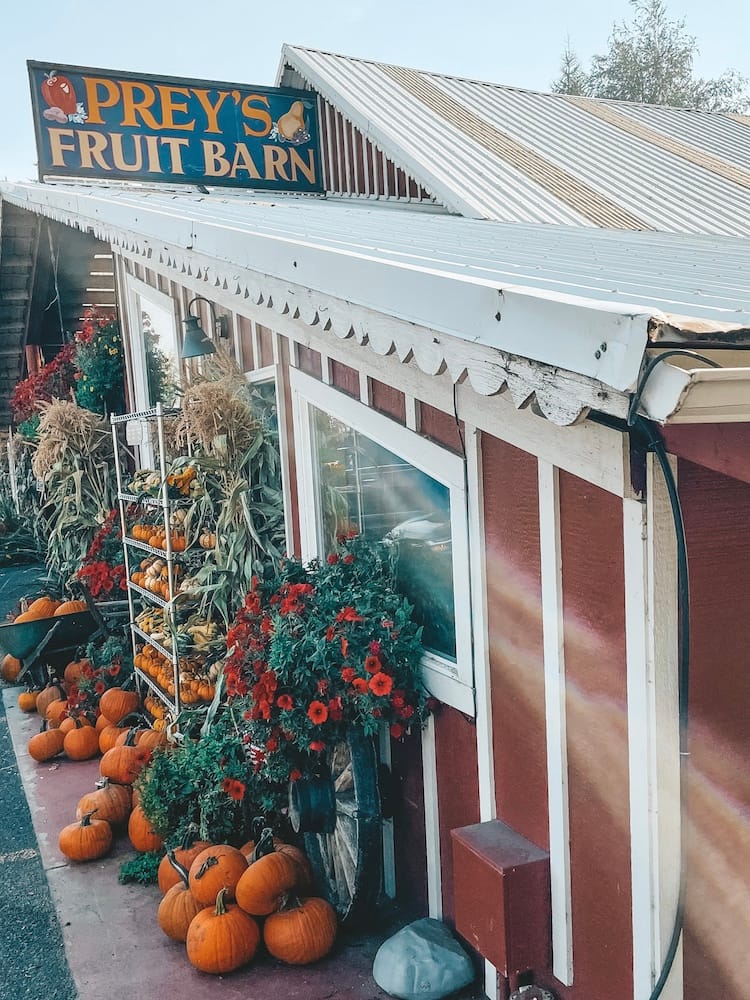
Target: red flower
[406, 712]
[373, 665]
[114, 670]
[397, 730]
[99, 687]
[344, 647]
[347, 674]
[272, 745]
[295, 775]
[375, 647]
[322, 685]
[348, 559]
[332, 559]
[330, 633]
[317, 712]
[335, 709]
[360, 685]
[317, 746]
[285, 701]
[381, 684]
[349, 614]
[235, 789]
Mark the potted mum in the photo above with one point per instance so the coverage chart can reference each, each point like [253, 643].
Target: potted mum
[316, 650]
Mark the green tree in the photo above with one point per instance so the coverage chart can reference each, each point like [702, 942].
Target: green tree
[650, 61]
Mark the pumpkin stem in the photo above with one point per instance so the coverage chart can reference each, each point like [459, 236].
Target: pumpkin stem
[189, 837]
[208, 863]
[220, 907]
[264, 845]
[86, 818]
[257, 827]
[180, 869]
[289, 901]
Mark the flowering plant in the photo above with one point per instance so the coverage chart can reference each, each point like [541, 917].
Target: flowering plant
[99, 382]
[317, 649]
[106, 665]
[54, 381]
[103, 567]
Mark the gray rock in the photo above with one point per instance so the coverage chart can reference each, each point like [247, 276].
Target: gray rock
[422, 961]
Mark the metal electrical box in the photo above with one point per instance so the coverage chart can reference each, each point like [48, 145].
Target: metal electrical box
[501, 883]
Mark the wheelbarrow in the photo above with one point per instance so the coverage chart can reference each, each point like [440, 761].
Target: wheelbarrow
[47, 639]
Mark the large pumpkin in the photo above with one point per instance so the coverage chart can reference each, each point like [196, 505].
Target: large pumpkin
[86, 840]
[70, 608]
[305, 878]
[81, 743]
[179, 905]
[109, 734]
[301, 931]
[10, 669]
[169, 873]
[116, 703]
[45, 697]
[218, 867]
[141, 833]
[109, 801]
[124, 764]
[46, 744]
[55, 711]
[42, 607]
[222, 938]
[265, 884]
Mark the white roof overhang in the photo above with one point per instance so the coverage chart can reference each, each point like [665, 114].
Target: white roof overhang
[417, 286]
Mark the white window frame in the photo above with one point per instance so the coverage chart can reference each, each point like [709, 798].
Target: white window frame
[449, 682]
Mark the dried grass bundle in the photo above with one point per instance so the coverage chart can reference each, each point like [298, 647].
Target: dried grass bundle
[67, 430]
[217, 411]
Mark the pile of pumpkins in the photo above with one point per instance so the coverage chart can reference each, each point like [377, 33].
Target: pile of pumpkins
[221, 901]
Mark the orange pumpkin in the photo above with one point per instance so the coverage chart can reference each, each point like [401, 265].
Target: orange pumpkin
[301, 931]
[81, 743]
[49, 694]
[266, 882]
[10, 669]
[109, 801]
[141, 833]
[124, 764]
[86, 840]
[42, 607]
[74, 671]
[46, 744]
[179, 906]
[169, 873]
[55, 711]
[221, 938]
[70, 608]
[69, 722]
[305, 879]
[218, 867]
[116, 703]
[27, 700]
[109, 735]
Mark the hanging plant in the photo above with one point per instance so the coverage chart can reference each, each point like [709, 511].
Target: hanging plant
[99, 381]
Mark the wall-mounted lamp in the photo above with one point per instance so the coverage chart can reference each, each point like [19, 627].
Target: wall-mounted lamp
[196, 342]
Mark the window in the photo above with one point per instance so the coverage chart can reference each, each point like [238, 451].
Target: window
[359, 470]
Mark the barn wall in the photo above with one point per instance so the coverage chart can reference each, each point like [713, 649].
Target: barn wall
[717, 514]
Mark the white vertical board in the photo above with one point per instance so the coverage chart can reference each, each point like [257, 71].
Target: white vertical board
[432, 822]
[555, 711]
[653, 732]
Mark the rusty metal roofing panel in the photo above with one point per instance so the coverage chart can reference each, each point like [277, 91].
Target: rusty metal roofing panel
[513, 155]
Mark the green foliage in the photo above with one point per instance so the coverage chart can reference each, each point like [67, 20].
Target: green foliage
[317, 649]
[141, 869]
[160, 378]
[100, 383]
[206, 782]
[650, 60]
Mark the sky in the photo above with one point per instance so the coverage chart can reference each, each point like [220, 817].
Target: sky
[518, 44]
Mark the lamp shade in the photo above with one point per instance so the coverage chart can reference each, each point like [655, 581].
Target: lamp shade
[196, 343]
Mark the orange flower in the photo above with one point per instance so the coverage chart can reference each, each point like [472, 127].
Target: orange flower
[381, 684]
[360, 685]
[373, 664]
[317, 712]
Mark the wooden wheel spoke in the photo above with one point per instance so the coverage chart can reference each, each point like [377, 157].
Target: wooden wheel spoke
[346, 805]
[345, 780]
[346, 856]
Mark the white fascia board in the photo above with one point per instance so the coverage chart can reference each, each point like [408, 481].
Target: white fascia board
[676, 395]
[600, 340]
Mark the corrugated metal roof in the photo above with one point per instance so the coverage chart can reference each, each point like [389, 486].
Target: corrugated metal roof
[513, 155]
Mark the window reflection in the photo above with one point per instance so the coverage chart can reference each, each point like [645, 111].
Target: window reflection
[364, 487]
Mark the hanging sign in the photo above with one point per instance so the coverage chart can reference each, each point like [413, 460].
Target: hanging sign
[100, 124]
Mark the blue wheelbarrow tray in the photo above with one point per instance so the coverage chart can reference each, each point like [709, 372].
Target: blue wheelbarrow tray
[67, 631]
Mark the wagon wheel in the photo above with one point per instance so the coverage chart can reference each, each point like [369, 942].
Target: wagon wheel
[346, 858]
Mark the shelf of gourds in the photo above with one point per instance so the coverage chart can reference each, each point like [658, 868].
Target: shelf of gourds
[200, 644]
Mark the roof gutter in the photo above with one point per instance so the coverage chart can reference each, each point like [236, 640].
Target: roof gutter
[675, 395]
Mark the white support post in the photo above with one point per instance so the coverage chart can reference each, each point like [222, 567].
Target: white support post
[555, 711]
[431, 821]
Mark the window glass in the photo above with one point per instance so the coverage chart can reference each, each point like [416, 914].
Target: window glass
[159, 341]
[364, 487]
